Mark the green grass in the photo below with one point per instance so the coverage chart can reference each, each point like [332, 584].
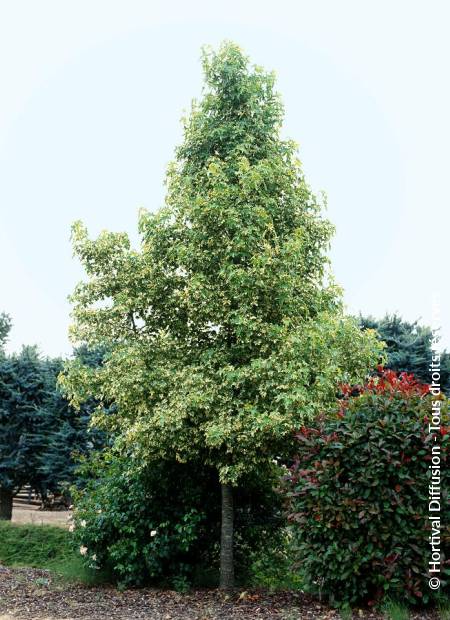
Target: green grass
[395, 611]
[444, 610]
[346, 613]
[43, 546]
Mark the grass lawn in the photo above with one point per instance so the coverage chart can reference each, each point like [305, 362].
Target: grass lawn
[45, 547]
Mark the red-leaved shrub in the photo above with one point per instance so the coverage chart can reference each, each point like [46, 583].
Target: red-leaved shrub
[358, 493]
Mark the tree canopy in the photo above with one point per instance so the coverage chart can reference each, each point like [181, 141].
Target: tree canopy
[5, 326]
[226, 329]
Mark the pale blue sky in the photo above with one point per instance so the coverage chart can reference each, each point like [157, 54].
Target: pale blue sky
[91, 97]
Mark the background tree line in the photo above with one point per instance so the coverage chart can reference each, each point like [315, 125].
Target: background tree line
[41, 435]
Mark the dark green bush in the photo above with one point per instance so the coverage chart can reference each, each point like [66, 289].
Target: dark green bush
[271, 566]
[358, 495]
[162, 523]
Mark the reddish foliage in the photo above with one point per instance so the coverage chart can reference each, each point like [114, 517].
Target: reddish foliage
[357, 489]
[387, 382]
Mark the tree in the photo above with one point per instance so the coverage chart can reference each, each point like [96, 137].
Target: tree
[408, 347]
[40, 434]
[225, 330]
[70, 436]
[161, 521]
[5, 326]
[25, 387]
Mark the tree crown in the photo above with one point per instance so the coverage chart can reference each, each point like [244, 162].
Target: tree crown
[226, 329]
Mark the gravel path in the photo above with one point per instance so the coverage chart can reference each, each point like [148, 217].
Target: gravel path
[31, 594]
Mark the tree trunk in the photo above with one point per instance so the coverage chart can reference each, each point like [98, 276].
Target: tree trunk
[226, 539]
[6, 502]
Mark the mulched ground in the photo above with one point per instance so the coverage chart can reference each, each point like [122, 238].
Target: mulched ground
[31, 594]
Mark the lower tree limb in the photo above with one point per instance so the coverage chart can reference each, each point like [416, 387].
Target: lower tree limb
[6, 503]
[226, 539]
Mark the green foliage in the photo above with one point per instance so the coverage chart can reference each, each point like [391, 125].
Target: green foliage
[345, 612]
[46, 547]
[408, 347]
[5, 326]
[393, 610]
[358, 495]
[70, 436]
[444, 609]
[271, 565]
[40, 434]
[225, 330]
[161, 523]
[26, 387]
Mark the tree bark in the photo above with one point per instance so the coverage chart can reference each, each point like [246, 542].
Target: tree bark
[6, 503]
[226, 539]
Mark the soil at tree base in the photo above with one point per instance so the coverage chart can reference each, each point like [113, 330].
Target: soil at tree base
[32, 594]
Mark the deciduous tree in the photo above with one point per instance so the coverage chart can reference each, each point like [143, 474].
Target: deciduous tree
[225, 330]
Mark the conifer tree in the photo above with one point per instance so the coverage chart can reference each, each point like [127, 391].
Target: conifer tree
[408, 347]
[41, 435]
[69, 436]
[25, 387]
